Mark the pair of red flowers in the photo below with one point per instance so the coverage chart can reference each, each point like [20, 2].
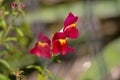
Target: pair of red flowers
[59, 42]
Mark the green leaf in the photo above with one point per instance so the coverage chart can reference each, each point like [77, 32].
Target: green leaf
[36, 67]
[6, 13]
[3, 23]
[40, 77]
[19, 31]
[112, 54]
[3, 77]
[5, 64]
[1, 34]
[92, 73]
[7, 45]
[3, 52]
[10, 39]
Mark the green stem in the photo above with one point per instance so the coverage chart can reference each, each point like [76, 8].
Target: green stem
[8, 29]
[48, 62]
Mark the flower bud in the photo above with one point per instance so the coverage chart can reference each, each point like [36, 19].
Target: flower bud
[22, 5]
[14, 5]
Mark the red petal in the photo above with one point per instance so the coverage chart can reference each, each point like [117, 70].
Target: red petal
[60, 46]
[56, 48]
[66, 49]
[70, 19]
[46, 51]
[58, 35]
[43, 38]
[35, 50]
[40, 50]
[72, 32]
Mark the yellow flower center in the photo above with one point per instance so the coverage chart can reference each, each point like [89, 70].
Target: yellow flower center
[72, 25]
[41, 43]
[62, 41]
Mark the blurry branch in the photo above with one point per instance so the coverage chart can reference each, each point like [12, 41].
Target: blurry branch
[9, 27]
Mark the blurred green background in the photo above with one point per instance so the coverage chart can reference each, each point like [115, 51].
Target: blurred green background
[97, 50]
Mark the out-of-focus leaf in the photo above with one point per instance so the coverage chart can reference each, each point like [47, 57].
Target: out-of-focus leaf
[3, 77]
[92, 73]
[7, 45]
[3, 52]
[5, 64]
[44, 74]
[1, 1]
[6, 13]
[1, 34]
[2, 23]
[19, 31]
[16, 0]
[40, 77]
[19, 61]
[36, 67]
[111, 55]
[10, 39]
[40, 70]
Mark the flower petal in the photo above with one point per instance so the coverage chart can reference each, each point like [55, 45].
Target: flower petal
[58, 35]
[56, 48]
[41, 49]
[43, 38]
[70, 19]
[35, 50]
[60, 46]
[72, 32]
[66, 49]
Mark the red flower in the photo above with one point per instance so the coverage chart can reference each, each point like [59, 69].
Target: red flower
[59, 41]
[58, 35]
[60, 44]
[70, 29]
[42, 47]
